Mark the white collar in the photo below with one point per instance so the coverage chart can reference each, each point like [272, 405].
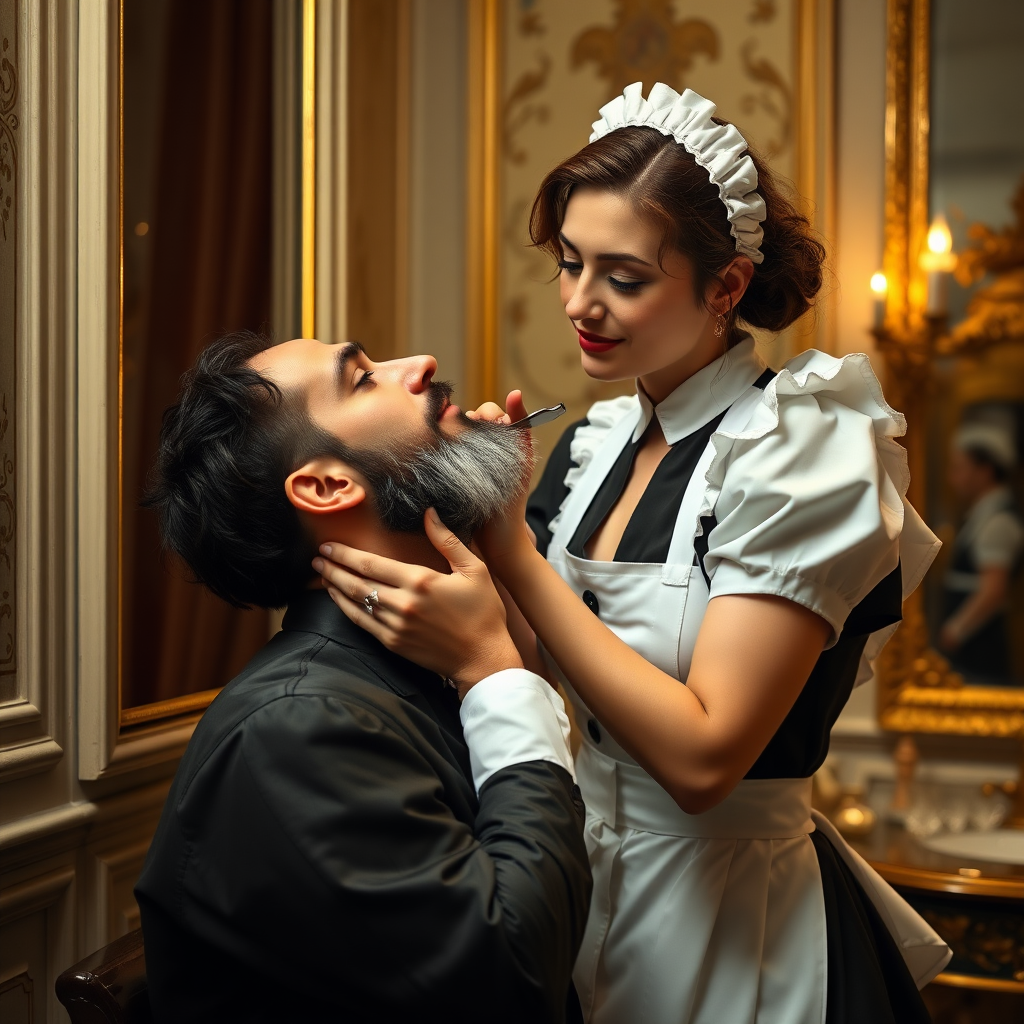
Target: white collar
[700, 398]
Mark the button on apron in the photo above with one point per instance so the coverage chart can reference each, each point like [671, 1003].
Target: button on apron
[590, 600]
[592, 726]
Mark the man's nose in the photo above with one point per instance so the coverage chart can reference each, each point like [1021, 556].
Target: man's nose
[417, 372]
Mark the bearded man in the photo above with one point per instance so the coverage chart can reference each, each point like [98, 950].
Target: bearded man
[337, 844]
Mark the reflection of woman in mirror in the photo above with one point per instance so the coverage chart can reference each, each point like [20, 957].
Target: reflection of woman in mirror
[986, 551]
[729, 529]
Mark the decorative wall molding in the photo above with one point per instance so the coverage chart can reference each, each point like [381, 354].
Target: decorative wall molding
[34, 894]
[114, 910]
[97, 259]
[10, 105]
[34, 828]
[35, 151]
[50, 892]
[19, 989]
[29, 757]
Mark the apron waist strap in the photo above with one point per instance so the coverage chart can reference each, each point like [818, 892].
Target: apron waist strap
[625, 796]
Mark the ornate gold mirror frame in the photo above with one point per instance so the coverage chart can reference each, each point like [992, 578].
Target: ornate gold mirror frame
[917, 690]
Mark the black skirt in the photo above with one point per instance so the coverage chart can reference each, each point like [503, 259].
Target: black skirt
[868, 979]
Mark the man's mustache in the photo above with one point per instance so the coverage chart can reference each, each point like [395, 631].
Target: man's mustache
[439, 395]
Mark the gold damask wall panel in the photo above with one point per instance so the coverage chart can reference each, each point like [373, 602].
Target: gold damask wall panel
[561, 60]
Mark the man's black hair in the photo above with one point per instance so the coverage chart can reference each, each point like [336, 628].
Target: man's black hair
[226, 449]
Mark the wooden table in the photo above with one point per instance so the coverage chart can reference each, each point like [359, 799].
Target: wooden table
[976, 906]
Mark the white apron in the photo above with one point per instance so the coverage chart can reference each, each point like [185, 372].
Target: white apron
[709, 918]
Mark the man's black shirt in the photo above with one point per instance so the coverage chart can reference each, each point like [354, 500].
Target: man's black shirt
[323, 854]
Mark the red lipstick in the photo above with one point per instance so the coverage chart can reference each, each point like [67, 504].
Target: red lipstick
[596, 343]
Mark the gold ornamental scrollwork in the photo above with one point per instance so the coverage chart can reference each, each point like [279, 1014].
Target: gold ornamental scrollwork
[646, 43]
[774, 97]
[8, 126]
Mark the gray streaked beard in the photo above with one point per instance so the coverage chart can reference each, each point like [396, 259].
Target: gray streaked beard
[469, 478]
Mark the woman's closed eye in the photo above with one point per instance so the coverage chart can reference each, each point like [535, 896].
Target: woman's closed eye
[626, 286]
[574, 268]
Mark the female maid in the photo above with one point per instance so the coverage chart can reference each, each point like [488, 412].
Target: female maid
[710, 564]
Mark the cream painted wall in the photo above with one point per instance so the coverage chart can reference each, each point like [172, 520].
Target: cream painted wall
[437, 177]
[860, 168]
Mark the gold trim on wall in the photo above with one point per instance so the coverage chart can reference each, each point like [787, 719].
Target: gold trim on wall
[120, 359]
[308, 168]
[815, 115]
[972, 981]
[483, 201]
[187, 704]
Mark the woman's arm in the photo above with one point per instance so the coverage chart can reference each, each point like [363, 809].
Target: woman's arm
[752, 658]
[522, 633]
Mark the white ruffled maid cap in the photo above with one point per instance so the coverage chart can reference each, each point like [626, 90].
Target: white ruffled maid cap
[719, 148]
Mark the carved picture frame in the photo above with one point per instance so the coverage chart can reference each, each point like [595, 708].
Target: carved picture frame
[917, 690]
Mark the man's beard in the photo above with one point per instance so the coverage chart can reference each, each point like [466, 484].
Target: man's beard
[469, 477]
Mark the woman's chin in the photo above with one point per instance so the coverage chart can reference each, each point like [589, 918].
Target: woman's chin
[604, 369]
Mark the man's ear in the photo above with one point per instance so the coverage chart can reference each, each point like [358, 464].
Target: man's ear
[324, 486]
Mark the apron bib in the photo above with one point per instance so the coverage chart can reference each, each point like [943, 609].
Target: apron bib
[694, 918]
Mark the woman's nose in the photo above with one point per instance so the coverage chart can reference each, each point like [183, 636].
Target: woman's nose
[419, 371]
[582, 304]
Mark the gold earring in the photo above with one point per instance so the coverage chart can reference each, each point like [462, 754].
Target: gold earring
[720, 326]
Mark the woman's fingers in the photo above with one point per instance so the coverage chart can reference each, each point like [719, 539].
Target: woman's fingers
[460, 558]
[514, 405]
[354, 587]
[488, 411]
[381, 624]
[374, 568]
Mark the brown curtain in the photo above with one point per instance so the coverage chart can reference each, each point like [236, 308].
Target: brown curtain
[210, 273]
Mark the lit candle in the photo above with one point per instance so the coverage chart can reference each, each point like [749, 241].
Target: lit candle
[939, 262]
[879, 286]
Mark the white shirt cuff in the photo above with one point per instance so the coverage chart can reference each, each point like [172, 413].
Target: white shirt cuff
[511, 717]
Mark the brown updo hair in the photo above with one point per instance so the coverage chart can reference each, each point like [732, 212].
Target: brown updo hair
[664, 182]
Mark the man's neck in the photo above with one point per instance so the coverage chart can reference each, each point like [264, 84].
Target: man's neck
[366, 534]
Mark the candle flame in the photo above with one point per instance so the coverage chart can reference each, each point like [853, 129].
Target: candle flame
[939, 238]
[879, 285]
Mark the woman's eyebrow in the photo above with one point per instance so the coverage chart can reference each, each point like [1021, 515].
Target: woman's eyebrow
[608, 257]
[346, 353]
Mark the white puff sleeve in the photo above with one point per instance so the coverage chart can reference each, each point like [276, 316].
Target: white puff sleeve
[810, 497]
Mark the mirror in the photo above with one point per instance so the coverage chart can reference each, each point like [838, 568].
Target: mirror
[975, 599]
[953, 337]
[196, 223]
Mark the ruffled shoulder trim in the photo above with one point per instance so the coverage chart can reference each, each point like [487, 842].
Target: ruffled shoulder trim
[849, 381]
[601, 418]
